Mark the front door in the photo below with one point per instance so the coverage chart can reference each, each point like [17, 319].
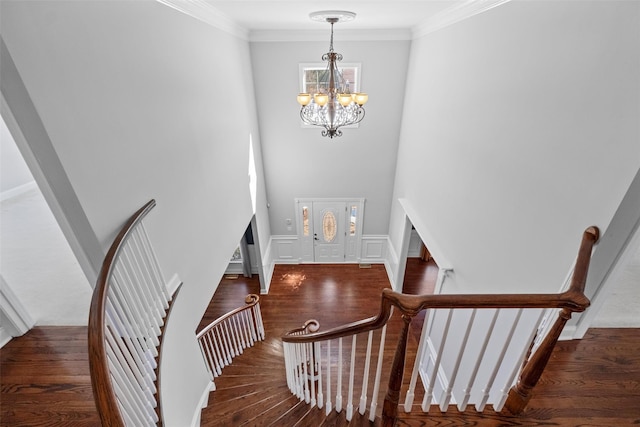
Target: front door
[329, 231]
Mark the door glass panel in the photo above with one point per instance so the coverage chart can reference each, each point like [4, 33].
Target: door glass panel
[352, 220]
[329, 227]
[305, 221]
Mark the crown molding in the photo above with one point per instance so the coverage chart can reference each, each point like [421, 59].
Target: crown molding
[323, 35]
[205, 12]
[456, 13]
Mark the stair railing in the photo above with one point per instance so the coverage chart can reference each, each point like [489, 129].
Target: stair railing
[312, 358]
[128, 309]
[228, 336]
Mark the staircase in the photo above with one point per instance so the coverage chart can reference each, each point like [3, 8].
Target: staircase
[253, 391]
[312, 377]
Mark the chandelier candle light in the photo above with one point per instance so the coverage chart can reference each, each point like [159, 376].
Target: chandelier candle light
[334, 106]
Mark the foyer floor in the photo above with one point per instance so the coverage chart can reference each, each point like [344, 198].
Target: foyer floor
[593, 382]
[44, 375]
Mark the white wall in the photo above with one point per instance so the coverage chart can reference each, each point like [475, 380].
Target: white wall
[139, 101]
[303, 164]
[13, 170]
[621, 308]
[609, 274]
[523, 123]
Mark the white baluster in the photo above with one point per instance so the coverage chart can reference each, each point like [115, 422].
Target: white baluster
[242, 318]
[233, 335]
[206, 355]
[339, 386]
[247, 328]
[147, 274]
[287, 363]
[328, 406]
[251, 323]
[351, 375]
[294, 368]
[305, 375]
[120, 285]
[212, 342]
[131, 263]
[417, 363]
[134, 372]
[155, 266]
[426, 402]
[318, 353]
[467, 390]
[126, 406]
[238, 333]
[446, 394]
[365, 379]
[487, 388]
[504, 391]
[299, 372]
[259, 325]
[209, 342]
[128, 392]
[136, 298]
[117, 295]
[125, 332]
[376, 383]
[224, 328]
[223, 344]
[152, 284]
[311, 369]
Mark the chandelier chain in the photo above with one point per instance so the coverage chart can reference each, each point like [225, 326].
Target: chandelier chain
[331, 42]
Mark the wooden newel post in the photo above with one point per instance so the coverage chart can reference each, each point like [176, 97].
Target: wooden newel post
[390, 407]
[521, 393]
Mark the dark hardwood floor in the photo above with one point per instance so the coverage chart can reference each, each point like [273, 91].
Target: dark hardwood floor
[44, 379]
[591, 382]
[44, 375]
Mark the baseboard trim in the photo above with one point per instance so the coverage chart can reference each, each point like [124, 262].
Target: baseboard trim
[16, 191]
[5, 337]
[204, 401]
[18, 320]
[568, 333]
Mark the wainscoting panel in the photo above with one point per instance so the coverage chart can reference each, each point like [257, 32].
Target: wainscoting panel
[374, 249]
[285, 249]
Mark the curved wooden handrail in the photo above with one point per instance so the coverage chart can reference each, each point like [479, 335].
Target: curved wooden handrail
[104, 395]
[573, 299]
[227, 336]
[411, 305]
[250, 300]
[310, 325]
[570, 301]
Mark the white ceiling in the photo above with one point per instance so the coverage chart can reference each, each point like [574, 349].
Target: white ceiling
[268, 19]
[294, 14]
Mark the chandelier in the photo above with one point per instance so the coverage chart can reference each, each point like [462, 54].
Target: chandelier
[333, 106]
